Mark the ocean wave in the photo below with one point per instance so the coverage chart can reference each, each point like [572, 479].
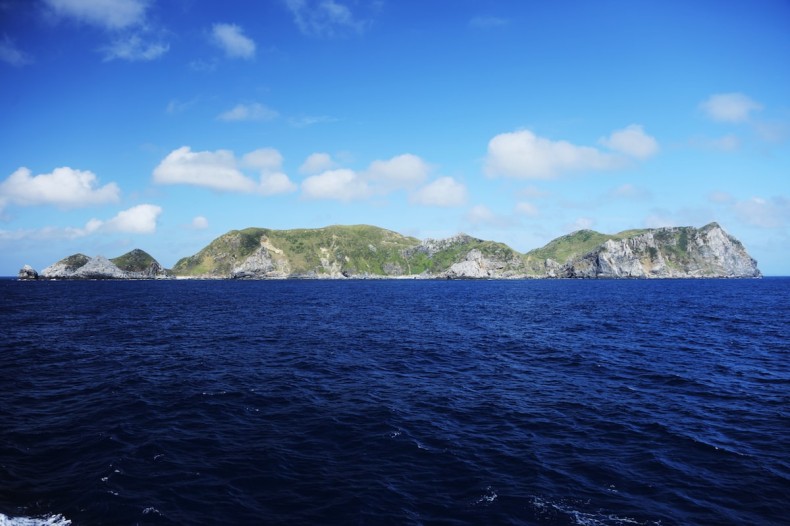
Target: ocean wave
[51, 520]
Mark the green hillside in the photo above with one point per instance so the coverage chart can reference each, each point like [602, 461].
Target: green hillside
[134, 261]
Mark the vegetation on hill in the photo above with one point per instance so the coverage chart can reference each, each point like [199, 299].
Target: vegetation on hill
[134, 261]
[360, 250]
[74, 261]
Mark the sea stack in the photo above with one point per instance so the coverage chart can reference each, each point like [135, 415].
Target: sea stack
[27, 273]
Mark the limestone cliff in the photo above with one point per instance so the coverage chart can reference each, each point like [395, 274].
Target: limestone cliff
[136, 264]
[682, 252]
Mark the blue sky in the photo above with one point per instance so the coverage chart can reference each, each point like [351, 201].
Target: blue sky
[162, 124]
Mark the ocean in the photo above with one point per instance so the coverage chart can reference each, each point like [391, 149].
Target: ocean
[538, 402]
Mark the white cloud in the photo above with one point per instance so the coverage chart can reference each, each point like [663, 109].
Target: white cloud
[524, 155]
[444, 191]
[220, 170]
[276, 183]
[632, 141]
[12, 55]
[133, 49]
[269, 162]
[341, 184]
[64, 187]
[763, 213]
[402, 171]
[729, 107]
[216, 170]
[248, 112]
[316, 163]
[265, 159]
[527, 209]
[109, 14]
[199, 223]
[325, 18]
[140, 219]
[231, 39]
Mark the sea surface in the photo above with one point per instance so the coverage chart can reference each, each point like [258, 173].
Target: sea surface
[538, 402]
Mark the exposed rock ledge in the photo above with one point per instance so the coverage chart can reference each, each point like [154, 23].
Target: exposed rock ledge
[80, 266]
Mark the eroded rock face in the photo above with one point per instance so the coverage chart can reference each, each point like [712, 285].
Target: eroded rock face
[80, 266]
[27, 273]
[478, 266]
[668, 253]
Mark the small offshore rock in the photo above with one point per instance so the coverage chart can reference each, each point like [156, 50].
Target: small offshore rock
[27, 273]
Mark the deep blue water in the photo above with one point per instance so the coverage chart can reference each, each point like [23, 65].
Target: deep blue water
[396, 402]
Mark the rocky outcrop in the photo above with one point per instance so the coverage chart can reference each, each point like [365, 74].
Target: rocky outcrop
[682, 252]
[476, 265]
[27, 273]
[264, 262]
[80, 266]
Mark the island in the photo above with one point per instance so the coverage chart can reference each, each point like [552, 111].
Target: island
[370, 252]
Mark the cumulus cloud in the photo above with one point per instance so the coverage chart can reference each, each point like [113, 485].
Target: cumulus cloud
[231, 39]
[524, 155]
[64, 187]
[402, 171]
[632, 141]
[134, 49]
[216, 170]
[729, 107]
[220, 170]
[445, 192]
[10, 54]
[267, 159]
[108, 14]
[276, 183]
[381, 177]
[325, 18]
[248, 112]
[341, 184]
[199, 223]
[140, 219]
[316, 163]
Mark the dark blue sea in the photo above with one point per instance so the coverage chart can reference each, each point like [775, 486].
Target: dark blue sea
[539, 402]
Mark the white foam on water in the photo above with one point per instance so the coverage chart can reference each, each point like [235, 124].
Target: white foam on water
[549, 507]
[487, 498]
[52, 520]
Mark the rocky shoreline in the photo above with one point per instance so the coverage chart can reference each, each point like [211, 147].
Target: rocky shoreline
[364, 252]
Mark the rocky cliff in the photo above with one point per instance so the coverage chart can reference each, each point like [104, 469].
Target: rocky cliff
[682, 252]
[136, 264]
[363, 251]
